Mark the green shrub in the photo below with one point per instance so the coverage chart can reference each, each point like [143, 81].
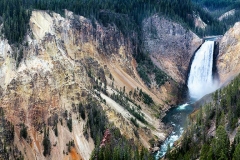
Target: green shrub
[23, 131]
[69, 124]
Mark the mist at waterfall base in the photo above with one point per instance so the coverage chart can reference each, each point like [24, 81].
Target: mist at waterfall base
[200, 83]
[200, 80]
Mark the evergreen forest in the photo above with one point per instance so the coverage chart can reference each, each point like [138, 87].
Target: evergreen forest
[220, 117]
[216, 8]
[16, 13]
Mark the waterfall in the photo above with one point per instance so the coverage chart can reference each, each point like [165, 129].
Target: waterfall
[200, 81]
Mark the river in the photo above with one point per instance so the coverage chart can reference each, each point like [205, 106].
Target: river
[200, 83]
[176, 117]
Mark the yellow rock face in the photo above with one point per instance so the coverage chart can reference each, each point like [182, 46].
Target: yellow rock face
[53, 77]
[229, 55]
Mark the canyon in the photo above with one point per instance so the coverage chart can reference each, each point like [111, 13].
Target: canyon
[68, 60]
[63, 57]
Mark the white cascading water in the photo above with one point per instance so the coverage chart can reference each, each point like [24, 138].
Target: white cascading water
[200, 81]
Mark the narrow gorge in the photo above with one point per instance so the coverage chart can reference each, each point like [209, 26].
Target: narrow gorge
[200, 83]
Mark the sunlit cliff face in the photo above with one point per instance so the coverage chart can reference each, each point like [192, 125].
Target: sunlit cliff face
[62, 56]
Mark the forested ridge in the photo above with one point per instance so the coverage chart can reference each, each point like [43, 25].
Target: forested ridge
[216, 8]
[211, 127]
[217, 4]
[16, 13]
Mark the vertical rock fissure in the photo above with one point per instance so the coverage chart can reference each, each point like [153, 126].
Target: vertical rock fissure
[215, 58]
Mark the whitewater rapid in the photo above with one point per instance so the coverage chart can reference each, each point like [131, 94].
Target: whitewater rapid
[175, 117]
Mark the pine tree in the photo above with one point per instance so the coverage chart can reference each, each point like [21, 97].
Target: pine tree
[116, 153]
[56, 131]
[235, 142]
[221, 143]
[210, 154]
[236, 154]
[204, 152]
[46, 143]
